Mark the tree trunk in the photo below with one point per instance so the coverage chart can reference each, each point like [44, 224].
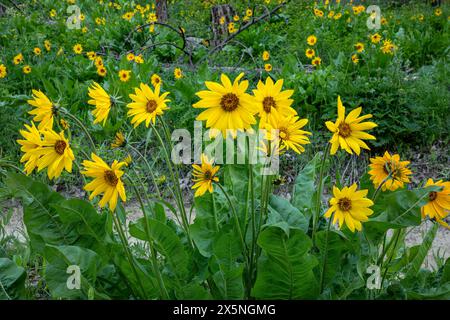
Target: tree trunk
[161, 10]
[220, 31]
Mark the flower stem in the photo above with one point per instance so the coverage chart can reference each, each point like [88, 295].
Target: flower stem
[319, 192]
[80, 124]
[325, 256]
[236, 219]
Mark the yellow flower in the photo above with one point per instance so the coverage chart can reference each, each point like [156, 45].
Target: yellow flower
[355, 59]
[91, 55]
[78, 49]
[128, 160]
[359, 47]
[231, 28]
[337, 16]
[318, 13]
[47, 45]
[26, 69]
[130, 56]
[349, 206]
[290, 135]
[348, 132]
[228, 106]
[44, 110]
[388, 47]
[18, 59]
[222, 20]
[3, 72]
[155, 80]
[438, 205]
[268, 67]
[84, 29]
[52, 13]
[138, 59]
[178, 74]
[101, 71]
[310, 53]
[147, 105]
[124, 75]
[64, 124]
[204, 176]
[37, 51]
[102, 102]
[55, 153]
[128, 16]
[98, 61]
[438, 12]
[249, 12]
[107, 180]
[32, 142]
[119, 140]
[390, 170]
[266, 55]
[383, 21]
[311, 40]
[317, 61]
[375, 38]
[236, 18]
[270, 100]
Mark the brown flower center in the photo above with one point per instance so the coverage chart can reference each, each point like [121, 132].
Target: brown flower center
[344, 130]
[345, 204]
[111, 178]
[229, 102]
[268, 104]
[60, 146]
[151, 106]
[208, 175]
[432, 196]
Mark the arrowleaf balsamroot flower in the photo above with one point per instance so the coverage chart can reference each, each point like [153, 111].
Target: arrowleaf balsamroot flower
[390, 170]
[438, 206]
[55, 153]
[270, 100]
[31, 143]
[44, 110]
[204, 175]
[147, 104]
[349, 206]
[348, 132]
[290, 134]
[102, 102]
[228, 106]
[107, 180]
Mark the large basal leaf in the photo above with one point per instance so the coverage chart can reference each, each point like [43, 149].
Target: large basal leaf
[284, 215]
[422, 251]
[41, 220]
[82, 218]
[12, 280]
[304, 188]
[227, 271]
[331, 249]
[285, 269]
[398, 209]
[165, 241]
[59, 258]
[203, 230]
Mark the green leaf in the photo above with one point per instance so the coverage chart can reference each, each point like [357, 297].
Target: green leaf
[166, 242]
[284, 215]
[203, 230]
[57, 275]
[227, 271]
[12, 280]
[422, 251]
[304, 188]
[285, 270]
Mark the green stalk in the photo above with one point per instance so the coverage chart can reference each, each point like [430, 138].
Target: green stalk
[178, 197]
[397, 237]
[127, 251]
[252, 257]
[216, 223]
[81, 125]
[324, 266]
[162, 287]
[150, 170]
[319, 192]
[236, 219]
